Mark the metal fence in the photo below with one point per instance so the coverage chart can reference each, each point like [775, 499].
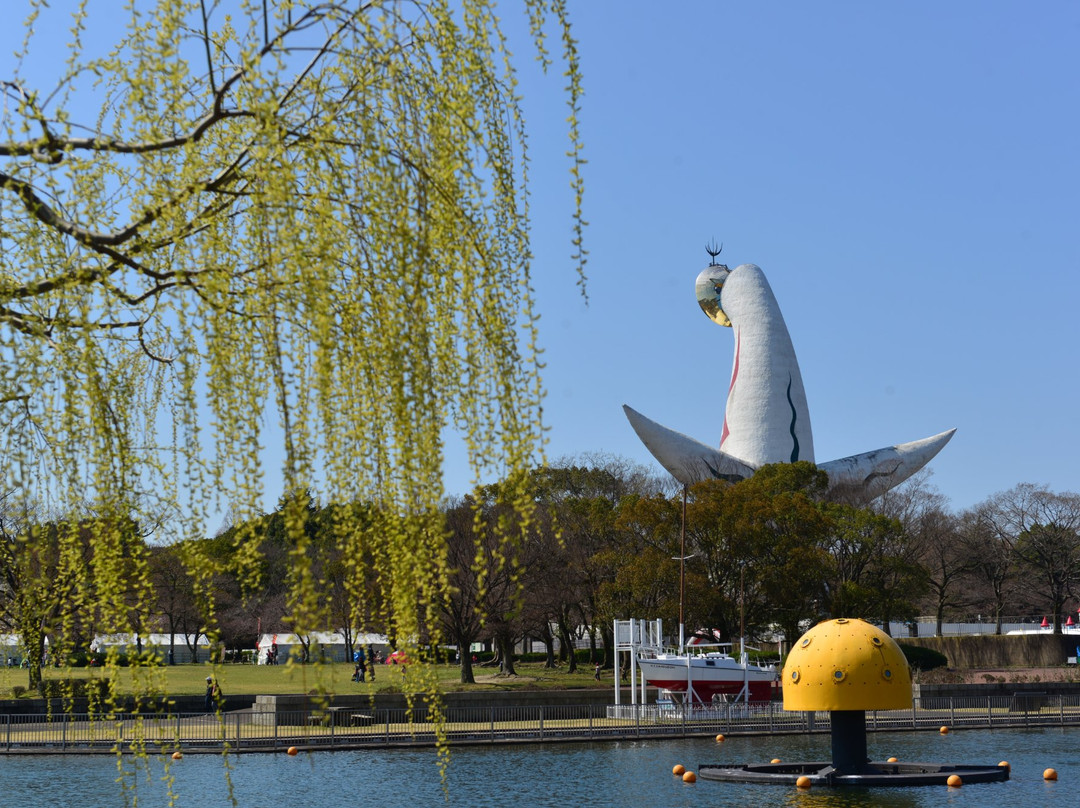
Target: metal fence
[927, 627]
[351, 728]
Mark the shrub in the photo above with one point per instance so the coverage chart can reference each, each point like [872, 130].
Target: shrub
[759, 657]
[73, 688]
[531, 657]
[83, 659]
[923, 659]
[132, 659]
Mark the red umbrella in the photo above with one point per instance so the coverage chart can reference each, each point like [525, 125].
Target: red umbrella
[1045, 623]
[1069, 621]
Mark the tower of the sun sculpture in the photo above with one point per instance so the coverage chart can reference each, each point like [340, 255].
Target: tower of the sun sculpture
[767, 419]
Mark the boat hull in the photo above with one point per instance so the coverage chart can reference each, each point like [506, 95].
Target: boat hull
[708, 677]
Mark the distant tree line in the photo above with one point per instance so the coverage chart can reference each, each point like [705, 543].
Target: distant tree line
[769, 554]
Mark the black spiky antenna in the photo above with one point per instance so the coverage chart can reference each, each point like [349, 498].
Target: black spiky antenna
[714, 251]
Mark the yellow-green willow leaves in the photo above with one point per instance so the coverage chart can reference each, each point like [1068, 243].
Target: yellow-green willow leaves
[239, 215]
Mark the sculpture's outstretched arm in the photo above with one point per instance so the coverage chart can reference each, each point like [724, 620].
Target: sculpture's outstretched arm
[687, 460]
[862, 477]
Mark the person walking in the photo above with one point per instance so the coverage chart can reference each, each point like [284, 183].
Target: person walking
[596, 674]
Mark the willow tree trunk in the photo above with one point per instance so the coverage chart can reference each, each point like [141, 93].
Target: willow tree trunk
[464, 645]
[566, 647]
[506, 654]
[549, 648]
[35, 655]
[467, 676]
[607, 637]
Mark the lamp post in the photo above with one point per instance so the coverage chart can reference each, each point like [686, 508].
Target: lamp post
[682, 568]
[682, 558]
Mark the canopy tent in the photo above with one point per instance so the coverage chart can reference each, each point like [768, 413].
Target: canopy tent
[330, 645]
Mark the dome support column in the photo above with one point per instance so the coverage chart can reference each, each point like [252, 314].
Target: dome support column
[848, 741]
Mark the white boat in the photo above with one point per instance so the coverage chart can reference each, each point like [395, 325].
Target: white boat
[705, 674]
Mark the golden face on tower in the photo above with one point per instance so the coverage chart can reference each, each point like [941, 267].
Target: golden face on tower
[709, 283]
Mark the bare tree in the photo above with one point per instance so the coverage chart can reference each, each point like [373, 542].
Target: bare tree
[934, 540]
[945, 562]
[462, 619]
[1042, 531]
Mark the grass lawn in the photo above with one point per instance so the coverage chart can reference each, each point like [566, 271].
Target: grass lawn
[186, 680]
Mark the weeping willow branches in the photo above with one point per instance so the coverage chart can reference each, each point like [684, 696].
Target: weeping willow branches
[228, 213]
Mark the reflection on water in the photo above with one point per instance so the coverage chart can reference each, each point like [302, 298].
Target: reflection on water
[587, 775]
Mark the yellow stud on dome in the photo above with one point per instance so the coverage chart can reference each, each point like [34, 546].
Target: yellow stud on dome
[846, 664]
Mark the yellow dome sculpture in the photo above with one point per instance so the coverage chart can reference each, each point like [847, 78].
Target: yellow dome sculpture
[846, 665]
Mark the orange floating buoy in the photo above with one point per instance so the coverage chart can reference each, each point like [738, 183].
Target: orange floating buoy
[776, 760]
[944, 730]
[292, 750]
[803, 782]
[678, 769]
[1050, 774]
[891, 760]
[689, 777]
[1005, 765]
[177, 755]
[954, 781]
[719, 738]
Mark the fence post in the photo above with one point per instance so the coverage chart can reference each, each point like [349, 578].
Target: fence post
[541, 709]
[8, 716]
[492, 710]
[590, 709]
[952, 710]
[990, 711]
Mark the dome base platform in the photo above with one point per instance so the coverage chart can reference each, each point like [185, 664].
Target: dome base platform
[872, 774]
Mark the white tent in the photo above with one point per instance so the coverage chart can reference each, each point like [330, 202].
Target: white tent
[330, 645]
[156, 642]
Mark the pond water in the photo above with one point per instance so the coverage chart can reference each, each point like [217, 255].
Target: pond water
[629, 774]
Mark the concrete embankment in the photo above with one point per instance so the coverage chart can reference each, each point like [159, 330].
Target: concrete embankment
[1001, 651]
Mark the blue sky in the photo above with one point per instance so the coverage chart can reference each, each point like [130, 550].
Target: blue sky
[907, 176]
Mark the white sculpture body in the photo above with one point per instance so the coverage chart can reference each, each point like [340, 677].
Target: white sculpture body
[766, 419]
